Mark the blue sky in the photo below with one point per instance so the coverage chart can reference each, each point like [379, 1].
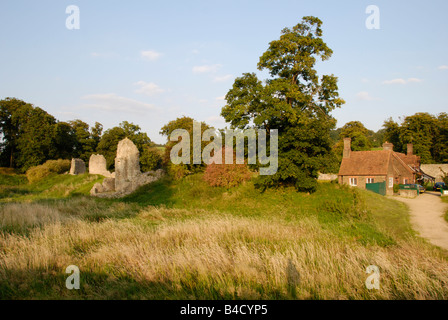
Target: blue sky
[149, 62]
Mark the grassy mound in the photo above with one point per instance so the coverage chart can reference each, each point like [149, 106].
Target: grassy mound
[186, 240]
[17, 188]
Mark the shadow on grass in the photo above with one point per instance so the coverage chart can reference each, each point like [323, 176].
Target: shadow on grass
[13, 191]
[42, 284]
[158, 193]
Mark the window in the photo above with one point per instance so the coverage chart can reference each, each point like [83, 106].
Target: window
[391, 182]
[353, 182]
[405, 181]
[370, 180]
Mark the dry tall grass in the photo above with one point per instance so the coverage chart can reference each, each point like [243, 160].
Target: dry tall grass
[212, 256]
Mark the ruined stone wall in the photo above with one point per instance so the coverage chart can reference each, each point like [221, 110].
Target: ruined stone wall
[128, 176]
[77, 167]
[98, 165]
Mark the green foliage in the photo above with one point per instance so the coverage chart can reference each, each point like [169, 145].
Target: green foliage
[359, 137]
[86, 139]
[177, 171]
[420, 130]
[340, 209]
[150, 159]
[107, 146]
[185, 123]
[295, 101]
[38, 173]
[31, 136]
[12, 179]
[427, 133]
[396, 188]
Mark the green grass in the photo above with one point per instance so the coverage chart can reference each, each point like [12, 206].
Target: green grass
[54, 186]
[185, 240]
[344, 211]
[445, 199]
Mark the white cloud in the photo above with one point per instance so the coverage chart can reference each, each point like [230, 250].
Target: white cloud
[415, 80]
[150, 55]
[364, 95]
[148, 89]
[444, 67]
[223, 78]
[220, 98]
[402, 81]
[395, 81]
[206, 68]
[113, 102]
[216, 121]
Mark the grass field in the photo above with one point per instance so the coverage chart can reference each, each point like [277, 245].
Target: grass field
[186, 240]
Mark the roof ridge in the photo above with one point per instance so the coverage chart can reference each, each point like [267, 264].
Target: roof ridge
[404, 163]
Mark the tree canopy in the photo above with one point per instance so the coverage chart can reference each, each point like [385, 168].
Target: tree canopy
[428, 134]
[294, 100]
[107, 146]
[185, 123]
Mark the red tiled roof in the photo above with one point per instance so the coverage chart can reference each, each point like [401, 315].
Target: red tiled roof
[364, 163]
[412, 160]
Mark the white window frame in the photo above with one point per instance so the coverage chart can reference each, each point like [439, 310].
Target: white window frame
[370, 180]
[391, 182]
[353, 182]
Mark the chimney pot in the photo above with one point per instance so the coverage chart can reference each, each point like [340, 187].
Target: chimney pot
[410, 149]
[388, 146]
[347, 147]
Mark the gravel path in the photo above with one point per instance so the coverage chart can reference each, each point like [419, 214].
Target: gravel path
[427, 211]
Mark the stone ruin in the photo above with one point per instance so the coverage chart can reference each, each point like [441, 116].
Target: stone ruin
[77, 167]
[98, 165]
[128, 176]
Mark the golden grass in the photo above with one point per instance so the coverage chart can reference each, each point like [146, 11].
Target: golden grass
[220, 256]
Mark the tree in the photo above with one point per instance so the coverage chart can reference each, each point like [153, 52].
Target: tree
[440, 147]
[10, 128]
[86, 138]
[65, 140]
[392, 132]
[36, 139]
[185, 123]
[359, 135]
[420, 129]
[150, 159]
[294, 100]
[107, 146]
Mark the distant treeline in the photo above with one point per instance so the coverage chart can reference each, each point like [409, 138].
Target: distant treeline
[30, 136]
[428, 133]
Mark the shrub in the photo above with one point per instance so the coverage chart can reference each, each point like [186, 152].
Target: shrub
[226, 175]
[177, 171]
[58, 166]
[150, 159]
[37, 173]
[396, 188]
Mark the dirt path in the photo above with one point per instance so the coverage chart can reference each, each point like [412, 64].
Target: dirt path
[427, 211]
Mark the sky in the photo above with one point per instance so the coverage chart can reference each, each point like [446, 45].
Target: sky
[150, 62]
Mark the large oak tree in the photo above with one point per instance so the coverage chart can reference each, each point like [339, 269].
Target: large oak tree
[294, 100]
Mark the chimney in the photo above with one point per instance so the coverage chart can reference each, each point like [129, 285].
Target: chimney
[410, 149]
[347, 147]
[388, 146]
